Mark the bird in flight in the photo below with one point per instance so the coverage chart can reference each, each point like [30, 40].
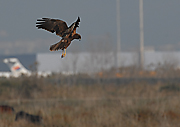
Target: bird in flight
[60, 27]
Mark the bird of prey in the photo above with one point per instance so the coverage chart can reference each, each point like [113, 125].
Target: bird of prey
[60, 27]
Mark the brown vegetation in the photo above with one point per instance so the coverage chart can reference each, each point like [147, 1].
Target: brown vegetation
[88, 101]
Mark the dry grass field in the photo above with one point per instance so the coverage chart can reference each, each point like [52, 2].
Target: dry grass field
[65, 103]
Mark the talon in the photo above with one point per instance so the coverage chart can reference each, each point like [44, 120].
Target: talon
[63, 53]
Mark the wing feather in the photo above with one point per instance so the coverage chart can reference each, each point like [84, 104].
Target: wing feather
[72, 27]
[52, 25]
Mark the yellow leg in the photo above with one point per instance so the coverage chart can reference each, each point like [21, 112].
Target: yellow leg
[62, 54]
[65, 53]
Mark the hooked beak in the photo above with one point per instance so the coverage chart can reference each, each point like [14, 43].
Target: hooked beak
[79, 39]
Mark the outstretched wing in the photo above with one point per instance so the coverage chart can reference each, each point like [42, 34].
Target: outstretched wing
[52, 25]
[72, 27]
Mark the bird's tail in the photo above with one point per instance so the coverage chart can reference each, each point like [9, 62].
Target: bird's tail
[55, 47]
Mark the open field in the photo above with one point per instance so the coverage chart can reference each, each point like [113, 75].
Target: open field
[66, 102]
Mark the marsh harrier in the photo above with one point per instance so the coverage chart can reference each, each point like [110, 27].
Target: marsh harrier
[60, 27]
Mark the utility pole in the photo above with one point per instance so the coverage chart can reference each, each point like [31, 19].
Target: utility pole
[141, 52]
[118, 48]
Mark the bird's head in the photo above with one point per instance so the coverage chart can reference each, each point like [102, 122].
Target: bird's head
[77, 36]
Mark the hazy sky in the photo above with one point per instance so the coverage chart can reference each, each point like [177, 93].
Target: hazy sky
[18, 34]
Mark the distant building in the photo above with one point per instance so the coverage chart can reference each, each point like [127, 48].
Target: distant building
[85, 62]
[94, 62]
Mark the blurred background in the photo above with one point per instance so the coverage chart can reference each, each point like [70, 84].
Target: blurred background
[99, 23]
[125, 71]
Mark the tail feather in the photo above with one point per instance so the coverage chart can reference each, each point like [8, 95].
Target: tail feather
[55, 47]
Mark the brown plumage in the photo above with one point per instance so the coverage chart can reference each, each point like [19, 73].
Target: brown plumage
[60, 27]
